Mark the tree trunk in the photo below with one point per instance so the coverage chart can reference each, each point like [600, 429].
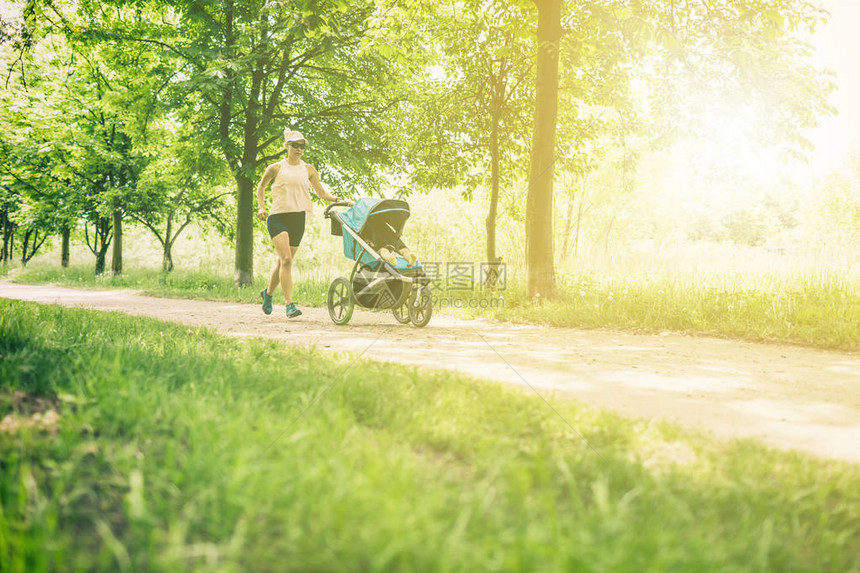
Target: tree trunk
[167, 253]
[568, 223]
[8, 237]
[492, 276]
[101, 243]
[579, 213]
[494, 190]
[64, 254]
[100, 262]
[24, 246]
[167, 258]
[244, 271]
[608, 232]
[32, 244]
[116, 258]
[244, 274]
[539, 248]
[4, 226]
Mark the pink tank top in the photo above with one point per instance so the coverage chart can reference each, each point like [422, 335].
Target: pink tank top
[291, 189]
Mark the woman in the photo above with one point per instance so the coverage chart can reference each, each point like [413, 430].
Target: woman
[291, 180]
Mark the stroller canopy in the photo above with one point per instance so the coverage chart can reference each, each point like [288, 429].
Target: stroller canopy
[373, 211]
[363, 216]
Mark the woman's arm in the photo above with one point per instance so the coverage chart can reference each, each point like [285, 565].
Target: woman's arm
[318, 187]
[271, 172]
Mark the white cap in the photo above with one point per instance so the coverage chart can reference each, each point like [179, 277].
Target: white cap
[290, 135]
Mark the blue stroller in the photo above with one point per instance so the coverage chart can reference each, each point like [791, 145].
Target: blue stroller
[374, 283]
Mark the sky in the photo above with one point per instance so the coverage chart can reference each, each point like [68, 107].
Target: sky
[838, 48]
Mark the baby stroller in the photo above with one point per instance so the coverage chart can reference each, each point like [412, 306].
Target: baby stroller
[374, 283]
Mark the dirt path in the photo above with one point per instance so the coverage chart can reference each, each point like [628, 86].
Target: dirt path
[787, 396]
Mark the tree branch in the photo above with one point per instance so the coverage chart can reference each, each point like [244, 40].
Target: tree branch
[149, 226]
[87, 238]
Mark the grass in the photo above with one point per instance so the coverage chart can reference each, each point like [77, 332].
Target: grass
[815, 310]
[177, 284]
[175, 449]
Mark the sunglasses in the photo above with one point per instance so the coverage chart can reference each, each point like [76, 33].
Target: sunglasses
[297, 145]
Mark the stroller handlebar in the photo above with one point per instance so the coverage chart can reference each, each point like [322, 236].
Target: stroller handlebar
[327, 214]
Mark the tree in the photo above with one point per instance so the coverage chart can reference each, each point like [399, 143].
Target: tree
[488, 99]
[32, 203]
[748, 58]
[488, 95]
[539, 244]
[31, 199]
[97, 152]
[9, 201]
[178, 188]
[835, 214]
[728, 51]
[247, 70]
[72, 139]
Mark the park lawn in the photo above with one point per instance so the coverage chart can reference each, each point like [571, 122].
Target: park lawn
[818, 311]
[131, 444]
[176, 284]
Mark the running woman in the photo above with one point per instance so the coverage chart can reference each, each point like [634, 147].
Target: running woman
[291, 180]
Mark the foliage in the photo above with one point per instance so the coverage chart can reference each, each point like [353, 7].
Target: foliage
[246, 70]
[35, 201]
[479, 88]
[747, 59]
[178, 188]
[835, 210]
[703, 56]
[417, 96]
[73, 146]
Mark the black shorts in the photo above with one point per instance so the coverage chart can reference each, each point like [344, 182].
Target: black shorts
[291, 223]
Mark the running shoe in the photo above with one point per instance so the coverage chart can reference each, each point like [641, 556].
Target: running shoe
[267, 302]
[292, 311]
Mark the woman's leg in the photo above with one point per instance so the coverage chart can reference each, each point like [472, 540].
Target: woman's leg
[275, 279]
[285, 266]
[290, 274]
[286, 254]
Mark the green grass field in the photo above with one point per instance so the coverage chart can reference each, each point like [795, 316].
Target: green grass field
[129, 444]
[178, 284]
[815, 310]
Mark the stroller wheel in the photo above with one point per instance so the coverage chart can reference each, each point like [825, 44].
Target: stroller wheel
[401, 313]
[340, 303]
[420, 306]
